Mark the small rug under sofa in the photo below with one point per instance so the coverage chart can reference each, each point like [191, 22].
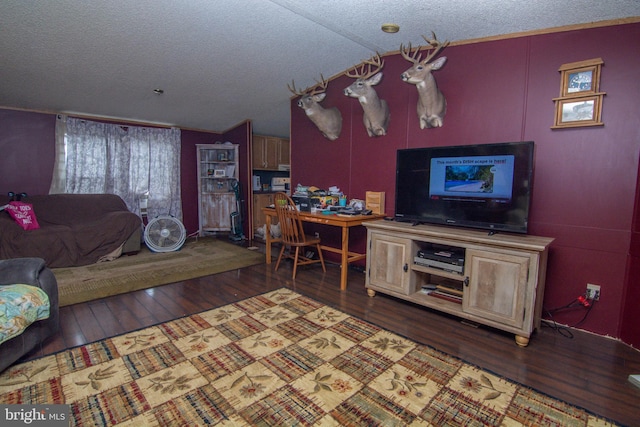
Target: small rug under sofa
[197, 258]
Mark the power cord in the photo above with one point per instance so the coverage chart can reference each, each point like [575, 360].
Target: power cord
[581, 301]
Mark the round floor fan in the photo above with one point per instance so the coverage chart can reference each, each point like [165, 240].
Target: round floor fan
[164, 233]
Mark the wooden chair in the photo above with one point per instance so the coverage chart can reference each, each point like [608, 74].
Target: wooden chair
[293, 235]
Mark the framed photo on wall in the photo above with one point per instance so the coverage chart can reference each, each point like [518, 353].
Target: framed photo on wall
[580, 101]
[578, 111]
[580, 78]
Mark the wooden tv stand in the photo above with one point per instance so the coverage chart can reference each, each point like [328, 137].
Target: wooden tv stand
[496, 280]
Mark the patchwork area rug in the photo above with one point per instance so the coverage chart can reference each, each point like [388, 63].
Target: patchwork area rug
[197, 258]
[278, 359]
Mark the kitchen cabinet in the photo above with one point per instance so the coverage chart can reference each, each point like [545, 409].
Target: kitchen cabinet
[284, 153]
[270, 153]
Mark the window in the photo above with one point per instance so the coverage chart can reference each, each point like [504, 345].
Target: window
[136, 163]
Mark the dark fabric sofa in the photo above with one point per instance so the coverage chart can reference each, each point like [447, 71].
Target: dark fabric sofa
[75, 230]
[29, 271]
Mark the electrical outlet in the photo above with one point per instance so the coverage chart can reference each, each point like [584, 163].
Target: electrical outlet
[593, 291]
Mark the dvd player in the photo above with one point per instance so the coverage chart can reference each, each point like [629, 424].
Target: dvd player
[446, 266]
[442, 257]
[454, 256]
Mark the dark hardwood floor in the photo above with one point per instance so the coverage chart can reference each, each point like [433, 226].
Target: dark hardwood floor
[586, 370]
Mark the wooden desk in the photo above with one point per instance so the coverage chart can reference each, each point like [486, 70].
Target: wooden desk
[344, 222]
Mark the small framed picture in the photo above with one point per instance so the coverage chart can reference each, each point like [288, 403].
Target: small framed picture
[580, 100]
[573, 112]
[219, 173]
[580, 78]
[580, 81]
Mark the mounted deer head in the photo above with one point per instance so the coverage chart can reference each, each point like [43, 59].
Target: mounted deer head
[432, 105]
[376, 111]
[327, 120]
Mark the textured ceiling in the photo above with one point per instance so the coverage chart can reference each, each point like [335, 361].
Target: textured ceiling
[221, 62]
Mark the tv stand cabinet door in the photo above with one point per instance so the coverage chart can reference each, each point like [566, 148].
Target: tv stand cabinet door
[389, 263]
[497, 287]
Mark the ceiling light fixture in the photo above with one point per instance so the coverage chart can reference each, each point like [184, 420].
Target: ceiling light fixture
[390, 28]
[158, 91]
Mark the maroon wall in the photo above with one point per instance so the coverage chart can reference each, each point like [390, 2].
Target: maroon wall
[241, 135]
[27, 148]
[630, 327]
[500, 91]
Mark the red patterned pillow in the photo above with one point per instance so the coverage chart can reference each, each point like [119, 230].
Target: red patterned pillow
[23, 214]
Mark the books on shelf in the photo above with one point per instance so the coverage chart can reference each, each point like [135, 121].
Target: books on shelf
[446, 297]
[446, 291]
[449, 290]
[437, 293]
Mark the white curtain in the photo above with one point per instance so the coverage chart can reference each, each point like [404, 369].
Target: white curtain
[130, 161]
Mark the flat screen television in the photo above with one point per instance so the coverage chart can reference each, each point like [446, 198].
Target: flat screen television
[485, 186]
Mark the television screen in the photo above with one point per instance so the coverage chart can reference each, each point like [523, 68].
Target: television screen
[484, 186]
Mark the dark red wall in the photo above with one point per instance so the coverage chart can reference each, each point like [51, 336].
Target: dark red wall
[500, 91]
[630, 327]
[241, 134]
[27, 148]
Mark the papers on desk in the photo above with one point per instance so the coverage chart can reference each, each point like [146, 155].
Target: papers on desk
[347, 211]
[342, 211]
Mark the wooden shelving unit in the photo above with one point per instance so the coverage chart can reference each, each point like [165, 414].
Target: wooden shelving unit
[217, 171]
[502, 278]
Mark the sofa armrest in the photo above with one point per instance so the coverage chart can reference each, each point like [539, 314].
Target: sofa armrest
[133, 243]
[30, 271]
[21, 270]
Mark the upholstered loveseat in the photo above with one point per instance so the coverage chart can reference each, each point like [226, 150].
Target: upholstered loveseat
[32, 272]
[75, 230]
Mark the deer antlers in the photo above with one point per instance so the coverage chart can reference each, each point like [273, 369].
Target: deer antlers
[368, 66]
[320, 87]
[436, 45]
